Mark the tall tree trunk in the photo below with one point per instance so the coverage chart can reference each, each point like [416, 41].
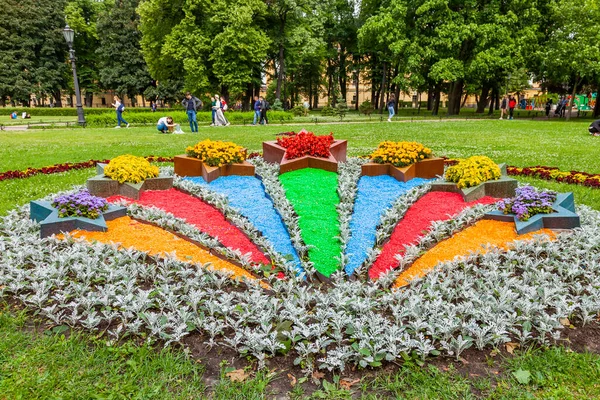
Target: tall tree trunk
[57, 98]
[483, 99]
[397, 94]
[356, 81]
[383, 86]
[342, 74]
[89, 98]
[597, 105]
[454, 97]
[495, 94]
[437, 93]
[430, 94]
[281, 65]
[373, 93]
[464, 102]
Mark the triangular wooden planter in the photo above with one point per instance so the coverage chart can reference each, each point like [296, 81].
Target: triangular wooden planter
[190, 166]
[102, 186]
[274, 153]
[426, 169]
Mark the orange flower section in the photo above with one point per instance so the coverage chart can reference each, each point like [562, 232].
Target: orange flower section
[475, 239]
[157, 242]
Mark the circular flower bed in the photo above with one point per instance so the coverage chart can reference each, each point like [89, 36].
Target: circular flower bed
[81, 204]
[305, 144]
[400, 154]
[217, 153]
[128, 168]
[473, 171]
[528, 202]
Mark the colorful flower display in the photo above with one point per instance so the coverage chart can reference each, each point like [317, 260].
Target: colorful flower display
[528, 202]
[305, 143]
[217, 153]
[81, 204]
[473, 171]
[128, 168]
[400, 154]
[553, 173]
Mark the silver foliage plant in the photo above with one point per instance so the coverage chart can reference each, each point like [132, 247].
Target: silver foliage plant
[269, 175]
[479, 301]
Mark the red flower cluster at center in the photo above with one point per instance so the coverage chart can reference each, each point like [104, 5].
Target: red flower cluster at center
[305, 143]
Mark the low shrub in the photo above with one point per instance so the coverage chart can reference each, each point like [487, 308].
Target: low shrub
[400, 154]
[217, 153]
[180, 117]
[473, 171]
[128, 168]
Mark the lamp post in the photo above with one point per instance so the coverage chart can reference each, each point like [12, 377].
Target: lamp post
[69, 36]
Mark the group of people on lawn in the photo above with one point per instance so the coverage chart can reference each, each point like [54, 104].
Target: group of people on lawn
[192, 104]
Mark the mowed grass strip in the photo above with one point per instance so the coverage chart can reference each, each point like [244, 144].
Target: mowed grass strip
[313, 194]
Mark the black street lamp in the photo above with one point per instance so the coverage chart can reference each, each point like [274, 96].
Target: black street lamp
[69, 36]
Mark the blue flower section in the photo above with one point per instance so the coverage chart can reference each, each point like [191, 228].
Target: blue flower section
[247, 195]
[375, 195]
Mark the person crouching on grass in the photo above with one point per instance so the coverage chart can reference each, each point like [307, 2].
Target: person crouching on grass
[165, 125]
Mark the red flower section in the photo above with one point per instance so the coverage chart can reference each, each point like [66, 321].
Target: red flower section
[434, 206]
[203, 216]
[57, 168]
[305, 143]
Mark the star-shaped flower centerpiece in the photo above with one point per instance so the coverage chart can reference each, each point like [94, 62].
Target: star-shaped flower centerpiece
[127, 176]
[477, 177]
[304, 149]
[403, 161]
[532, 210]
[74, 211]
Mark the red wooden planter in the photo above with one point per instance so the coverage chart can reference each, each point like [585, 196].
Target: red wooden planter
[427, 169]
[190, 166]
[274, 153]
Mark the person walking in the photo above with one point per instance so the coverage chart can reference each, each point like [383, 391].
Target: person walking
[256, 110]
[220, 119]
[503, 106]
[512, 103]
[191, 105]
[391, 105]
[264, 106]
[548, 107]
[119, 108]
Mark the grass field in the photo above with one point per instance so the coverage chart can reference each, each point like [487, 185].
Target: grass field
[37, 362]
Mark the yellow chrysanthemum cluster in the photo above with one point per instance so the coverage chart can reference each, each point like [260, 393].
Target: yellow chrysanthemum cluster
[473, 171]
[217, 153]
[128, 168]
[400, 154]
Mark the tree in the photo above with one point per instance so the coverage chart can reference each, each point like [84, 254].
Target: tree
[122, 66]
[81, 15]
[32, 50]
[572, 49]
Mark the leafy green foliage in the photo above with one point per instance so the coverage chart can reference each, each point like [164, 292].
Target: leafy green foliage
[122, 67]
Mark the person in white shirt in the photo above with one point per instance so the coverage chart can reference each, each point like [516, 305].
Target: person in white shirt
[165, 125]
[119, 107]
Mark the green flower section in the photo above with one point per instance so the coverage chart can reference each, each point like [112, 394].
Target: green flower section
[313, 194]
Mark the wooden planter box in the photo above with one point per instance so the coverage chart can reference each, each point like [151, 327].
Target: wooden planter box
[274, 153]
[51, 223]
[102, 186]
[426, 169]
[563, 217]
[190, 166]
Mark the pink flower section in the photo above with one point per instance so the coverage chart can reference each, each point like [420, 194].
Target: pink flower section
[434, 206]
[201, 215]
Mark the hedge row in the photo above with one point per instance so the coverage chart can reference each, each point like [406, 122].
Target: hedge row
[180, 117]
[70, 112]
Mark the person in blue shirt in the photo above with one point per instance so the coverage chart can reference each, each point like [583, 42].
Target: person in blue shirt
[256, 110]
[191, 104]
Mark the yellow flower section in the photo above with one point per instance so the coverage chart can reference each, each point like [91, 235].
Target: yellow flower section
[128, 168]
[158, 242]
[473, 171]
[475, 239]
[217, 153]
[400, 154]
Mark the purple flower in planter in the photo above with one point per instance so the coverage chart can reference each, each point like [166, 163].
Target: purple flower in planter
[528, 202]
[81, 204]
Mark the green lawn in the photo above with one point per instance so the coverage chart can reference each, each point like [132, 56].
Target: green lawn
[520, 142]
[38, 363]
